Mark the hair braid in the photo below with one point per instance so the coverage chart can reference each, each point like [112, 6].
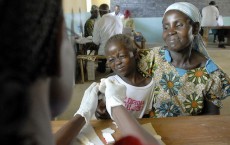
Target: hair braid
[123, 39]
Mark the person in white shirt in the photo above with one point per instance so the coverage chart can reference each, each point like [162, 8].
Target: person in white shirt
[210, 16]
[107, 26]
[220, 32]
[117, 12]
[220, 22]
[121, 56]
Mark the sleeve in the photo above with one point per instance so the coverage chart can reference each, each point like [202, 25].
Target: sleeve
[217, 13]
[145, 62]
[90, 28]
[132, 24]
[220, 88]
[96, 33]
[128, 140]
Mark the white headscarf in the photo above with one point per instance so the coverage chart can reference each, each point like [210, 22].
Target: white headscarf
[193, 13]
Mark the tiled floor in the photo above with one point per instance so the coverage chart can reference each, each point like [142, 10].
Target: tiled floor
[220, 56]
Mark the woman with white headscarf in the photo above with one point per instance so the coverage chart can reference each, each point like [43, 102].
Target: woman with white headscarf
[188, 82]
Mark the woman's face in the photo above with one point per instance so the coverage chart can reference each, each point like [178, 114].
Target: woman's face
[177, 30]
[120, 59]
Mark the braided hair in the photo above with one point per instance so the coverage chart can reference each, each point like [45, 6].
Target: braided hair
[123, 39]
[29, 50]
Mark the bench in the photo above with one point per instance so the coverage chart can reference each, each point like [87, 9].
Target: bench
[82, 58]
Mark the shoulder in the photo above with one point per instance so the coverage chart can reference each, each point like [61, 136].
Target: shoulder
[89, 21]
[208, 63]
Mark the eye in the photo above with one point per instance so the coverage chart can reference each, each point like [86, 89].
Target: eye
[179, 25]
[165, 27]
[111, 60]
[122, 56]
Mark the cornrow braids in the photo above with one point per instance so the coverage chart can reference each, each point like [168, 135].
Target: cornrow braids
[124, 39]
[30, 50]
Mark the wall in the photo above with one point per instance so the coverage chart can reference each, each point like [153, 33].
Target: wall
[156, 8]
[150, 27]
[99, 2]
[69, 5]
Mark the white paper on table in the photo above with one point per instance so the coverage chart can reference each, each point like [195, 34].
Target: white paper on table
[90, 37]
[89, 135]
[108, 130]
[149, 128]
[84, 40]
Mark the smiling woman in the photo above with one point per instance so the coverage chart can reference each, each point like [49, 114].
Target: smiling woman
[187, 81]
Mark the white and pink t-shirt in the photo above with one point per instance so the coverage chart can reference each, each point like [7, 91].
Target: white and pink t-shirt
[138, 100]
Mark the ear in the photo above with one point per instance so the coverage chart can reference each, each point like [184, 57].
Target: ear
[196, 26]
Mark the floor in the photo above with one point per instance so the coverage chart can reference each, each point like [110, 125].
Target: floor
[220, 56]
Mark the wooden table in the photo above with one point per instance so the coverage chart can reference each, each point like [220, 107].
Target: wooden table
[226, 28]
[192, 130]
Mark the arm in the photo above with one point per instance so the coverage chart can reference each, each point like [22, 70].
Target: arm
[67, 133]
[96, 34]
[210, 108]
[90, 28]
[218, 91]
[132, 25]
[70, 130]
[128, 125]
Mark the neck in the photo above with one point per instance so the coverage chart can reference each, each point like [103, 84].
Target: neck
[136, 79]
[181, 59]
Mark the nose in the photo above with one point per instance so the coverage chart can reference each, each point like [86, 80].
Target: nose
[117, 61]
[171, 31]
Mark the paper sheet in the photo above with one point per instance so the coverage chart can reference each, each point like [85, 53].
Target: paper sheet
[148, 127]
[83, 40]
[87, 136]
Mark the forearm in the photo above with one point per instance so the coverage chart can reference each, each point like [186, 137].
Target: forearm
[210, 108]
[70, 130]
[128, 125]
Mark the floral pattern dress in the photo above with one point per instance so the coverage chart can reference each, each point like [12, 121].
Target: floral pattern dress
[180, 92]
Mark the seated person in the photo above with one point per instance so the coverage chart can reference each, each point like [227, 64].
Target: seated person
[128, 21]
[121, 56]
[187, 81]
[88, 29]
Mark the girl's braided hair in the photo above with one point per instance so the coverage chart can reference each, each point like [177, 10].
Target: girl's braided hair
[124, 40]
[29, 50]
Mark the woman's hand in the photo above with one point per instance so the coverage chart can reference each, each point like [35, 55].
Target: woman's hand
[89, 102]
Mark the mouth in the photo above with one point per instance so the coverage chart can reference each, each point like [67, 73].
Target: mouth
[120, 68]
[172, 41]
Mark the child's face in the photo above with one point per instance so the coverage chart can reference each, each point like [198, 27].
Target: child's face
[120, 59]
[177, 30]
